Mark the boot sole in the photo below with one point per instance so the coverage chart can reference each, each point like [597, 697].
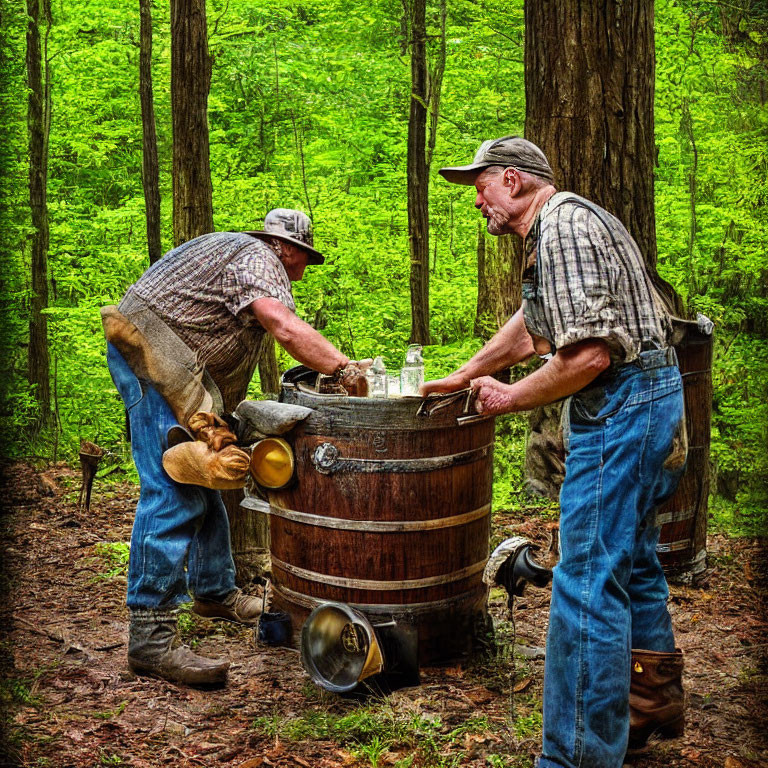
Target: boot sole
[217, 680]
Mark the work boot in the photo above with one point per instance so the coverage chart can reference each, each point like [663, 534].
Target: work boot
[154, 648]
[236, 606]
[656, 701]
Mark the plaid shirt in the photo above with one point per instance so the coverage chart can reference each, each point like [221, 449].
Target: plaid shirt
[201, 289]
[584, 278]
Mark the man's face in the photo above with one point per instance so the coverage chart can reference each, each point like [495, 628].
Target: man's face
[494, 201]
[294, 260]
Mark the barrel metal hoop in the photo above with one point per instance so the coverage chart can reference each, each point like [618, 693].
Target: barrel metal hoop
[676, 516]
[306, 601]
[328, 460]
[674, 546]
[375, 584]
[378, 526]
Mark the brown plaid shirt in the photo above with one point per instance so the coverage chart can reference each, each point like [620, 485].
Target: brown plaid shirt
[584, 278]
[202, 291]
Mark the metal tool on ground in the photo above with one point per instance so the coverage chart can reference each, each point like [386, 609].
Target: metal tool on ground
[341, 651]
[511, 565]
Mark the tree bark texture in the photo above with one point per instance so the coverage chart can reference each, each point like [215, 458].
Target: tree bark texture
[418, 177]
[269, 373]
[190, 84]
[150, 170]
[589, 88]
[589, 104]
[38, 121]
[499, 289]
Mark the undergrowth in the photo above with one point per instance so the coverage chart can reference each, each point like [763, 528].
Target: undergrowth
[386, 729]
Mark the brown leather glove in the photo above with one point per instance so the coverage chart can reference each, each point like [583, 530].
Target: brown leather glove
[195, 463]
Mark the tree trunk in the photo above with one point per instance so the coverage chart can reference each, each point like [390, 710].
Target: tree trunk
[686, 128]
[589, 88]
[190, 83]
[38, 121]
[269, 373]
[483, 308]
[589, 79]
[418, 177]
[150, 170]
[499, 290]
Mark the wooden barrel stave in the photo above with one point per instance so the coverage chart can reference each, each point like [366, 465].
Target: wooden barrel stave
[683, 518]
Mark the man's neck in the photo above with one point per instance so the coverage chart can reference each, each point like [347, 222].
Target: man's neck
[524, 224]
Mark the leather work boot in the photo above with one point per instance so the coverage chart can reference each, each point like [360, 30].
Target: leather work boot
[656, 701]
[154, 649]
[236, 606]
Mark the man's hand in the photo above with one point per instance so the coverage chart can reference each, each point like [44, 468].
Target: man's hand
[511, 345]
[450, 383]
[353, 377]
[492, 397]
[571, 369]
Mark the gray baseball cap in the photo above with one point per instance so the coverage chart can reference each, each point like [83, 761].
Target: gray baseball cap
[293, 227]
[509, 151]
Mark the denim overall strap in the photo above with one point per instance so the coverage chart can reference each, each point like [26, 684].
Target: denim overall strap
[609, 592]
[180, 540]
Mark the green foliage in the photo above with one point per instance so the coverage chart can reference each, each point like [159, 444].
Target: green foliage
[17, 692]
[114, 555]
[302, 113]
[371, 730]
[111, 760]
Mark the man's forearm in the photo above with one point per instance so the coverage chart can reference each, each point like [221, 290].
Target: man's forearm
[510, 345]
[298, 338]
[569, 371]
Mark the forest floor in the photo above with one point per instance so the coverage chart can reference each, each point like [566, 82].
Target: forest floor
[69, 699]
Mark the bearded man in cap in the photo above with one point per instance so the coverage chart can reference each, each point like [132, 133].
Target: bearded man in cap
[183, 345]
[612, 673]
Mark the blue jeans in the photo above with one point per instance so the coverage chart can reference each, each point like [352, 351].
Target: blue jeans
[180, 540]
[609, 593]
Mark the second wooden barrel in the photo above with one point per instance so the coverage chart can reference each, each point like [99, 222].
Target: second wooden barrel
[389, 513]
[682, 545]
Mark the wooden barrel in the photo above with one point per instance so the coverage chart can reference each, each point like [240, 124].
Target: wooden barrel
[683, 542]
[389, 513]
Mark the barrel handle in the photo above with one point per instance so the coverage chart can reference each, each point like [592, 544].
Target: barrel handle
[328, 460]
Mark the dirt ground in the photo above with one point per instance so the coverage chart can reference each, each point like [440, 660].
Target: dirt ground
[69, 699]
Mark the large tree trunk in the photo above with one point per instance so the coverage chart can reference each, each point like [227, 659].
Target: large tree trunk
[150, 170]
[589, 88]
[38, 120]
[190, 83]
[418, 176]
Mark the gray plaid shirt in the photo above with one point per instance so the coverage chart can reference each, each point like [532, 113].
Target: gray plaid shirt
[586, 279]
[202, 291]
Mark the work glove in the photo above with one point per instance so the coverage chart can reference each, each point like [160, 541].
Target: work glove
[196, 463]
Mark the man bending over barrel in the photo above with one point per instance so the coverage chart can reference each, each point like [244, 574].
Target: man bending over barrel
[612, 673]
[182, 347]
